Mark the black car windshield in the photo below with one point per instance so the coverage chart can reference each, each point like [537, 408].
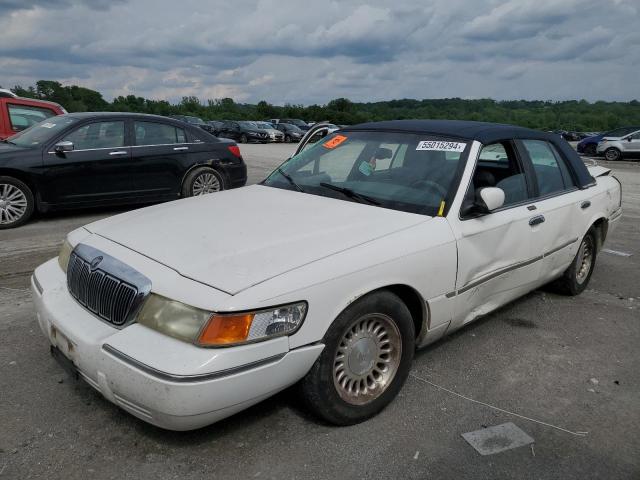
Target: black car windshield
[248, 125]
[295, 121]
[290, 126]
[41, 132]
[403, 171]
[193, 120]
[264, 125]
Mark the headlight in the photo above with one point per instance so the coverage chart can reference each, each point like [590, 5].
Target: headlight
[210, 329]
[253, 134]
[63, 256]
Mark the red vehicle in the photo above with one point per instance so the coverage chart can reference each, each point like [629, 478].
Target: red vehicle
[18, 113]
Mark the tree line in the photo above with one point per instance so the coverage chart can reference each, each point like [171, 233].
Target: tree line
[577, 115]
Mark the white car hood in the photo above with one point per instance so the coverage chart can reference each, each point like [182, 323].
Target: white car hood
[238, 238]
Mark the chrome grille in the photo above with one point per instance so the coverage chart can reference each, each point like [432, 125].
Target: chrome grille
[104, 289]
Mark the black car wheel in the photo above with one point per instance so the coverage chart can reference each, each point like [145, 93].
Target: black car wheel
[612, 154]
[243, 138]
[366, 360]
[16, 203]
[287, 139]
[590, 150]
[201, 181]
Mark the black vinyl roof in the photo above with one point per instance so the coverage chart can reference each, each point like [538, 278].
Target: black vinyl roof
[485, 133]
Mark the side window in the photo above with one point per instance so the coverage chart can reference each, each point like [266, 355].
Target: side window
[151, 133]
[551, 172]
[636, 136]
[23, 116]
[97, 135]
[498, 166]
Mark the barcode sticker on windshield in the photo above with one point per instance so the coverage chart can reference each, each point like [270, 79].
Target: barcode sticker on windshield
[48, 125]
[440, 146]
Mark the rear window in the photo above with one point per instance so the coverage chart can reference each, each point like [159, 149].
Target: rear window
[151, 133]
[23, 116]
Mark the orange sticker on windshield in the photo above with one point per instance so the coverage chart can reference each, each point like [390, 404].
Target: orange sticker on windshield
[334, 142]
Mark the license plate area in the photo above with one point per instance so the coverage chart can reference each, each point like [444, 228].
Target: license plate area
[64, 362]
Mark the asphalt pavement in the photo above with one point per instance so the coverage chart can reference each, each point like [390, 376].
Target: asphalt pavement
[565, 370]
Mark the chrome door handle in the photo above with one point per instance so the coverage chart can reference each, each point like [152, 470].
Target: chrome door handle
[178, 149]
[119, 152]
[586, 204]
[537, 220]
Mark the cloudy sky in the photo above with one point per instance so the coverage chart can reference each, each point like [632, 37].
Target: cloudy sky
[307, 52]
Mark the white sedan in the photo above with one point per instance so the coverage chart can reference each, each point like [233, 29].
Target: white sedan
[378, 239]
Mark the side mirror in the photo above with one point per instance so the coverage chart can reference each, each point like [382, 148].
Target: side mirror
[629, 138]
[62, 147]
[490, 199]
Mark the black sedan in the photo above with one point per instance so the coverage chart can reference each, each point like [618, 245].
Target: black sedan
[91, 159]
[243, 132]
[291, 132]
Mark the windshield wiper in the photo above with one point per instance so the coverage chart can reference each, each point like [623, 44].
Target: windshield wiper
[289, 179]
[350, 193]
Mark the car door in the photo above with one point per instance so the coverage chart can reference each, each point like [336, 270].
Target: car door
[632, 143]
[495, 254]
[96, 170]
[558, 206]
[159, 156]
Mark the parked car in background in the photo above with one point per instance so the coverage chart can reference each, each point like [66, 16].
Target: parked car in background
[18, 114]
[620, 146]
[90, 159]
[379, 239]
[197, 121]
[243, 132]
[275, 135]
[291, 132]
[589, 145]
[215, 125]
[301, 124]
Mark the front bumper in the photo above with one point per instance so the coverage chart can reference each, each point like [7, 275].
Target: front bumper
[163, 381]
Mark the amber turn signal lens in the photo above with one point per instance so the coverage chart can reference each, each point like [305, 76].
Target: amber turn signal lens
[226, 329]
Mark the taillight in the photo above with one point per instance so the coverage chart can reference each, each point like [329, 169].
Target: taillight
[235, 150]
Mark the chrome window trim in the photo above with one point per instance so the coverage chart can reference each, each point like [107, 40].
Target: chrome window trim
[131, 146]
[203, 377]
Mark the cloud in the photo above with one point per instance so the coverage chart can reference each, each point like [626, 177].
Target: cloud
[310, 52]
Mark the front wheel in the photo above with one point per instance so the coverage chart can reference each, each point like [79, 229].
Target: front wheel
[590, 150]
[612, 154]
[366, 360]
[243, 138]
[576, 278]
[202, 181]
[287, 139]
[16, 203]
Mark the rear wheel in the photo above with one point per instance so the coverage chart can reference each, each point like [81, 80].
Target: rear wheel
[16, 203]
[287, 139]
[612, 154]
[366, 360]
[202, 181]
[243, 138]
[576, 278]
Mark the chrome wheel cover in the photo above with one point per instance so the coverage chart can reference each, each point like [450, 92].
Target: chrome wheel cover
[584, 260]
[13, 204]
[205, 183]
[367, 359]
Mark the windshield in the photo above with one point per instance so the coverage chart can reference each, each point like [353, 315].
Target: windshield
[621, 132]
[290, 126]
[294, 121]
[248, 125]
[194, 120]
[402, 171]
[41, 132]
[264, 125]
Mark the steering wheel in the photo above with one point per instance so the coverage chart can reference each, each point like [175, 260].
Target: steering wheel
[430, 185]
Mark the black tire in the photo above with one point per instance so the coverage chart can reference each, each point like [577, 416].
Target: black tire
[199, 176]
[320, 388]
[590, 150]
[243, 138]
[287, 139]
[17, 203]
[575, 279]
[612, 154]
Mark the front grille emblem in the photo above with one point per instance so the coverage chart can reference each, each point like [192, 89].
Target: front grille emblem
[95, 262]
